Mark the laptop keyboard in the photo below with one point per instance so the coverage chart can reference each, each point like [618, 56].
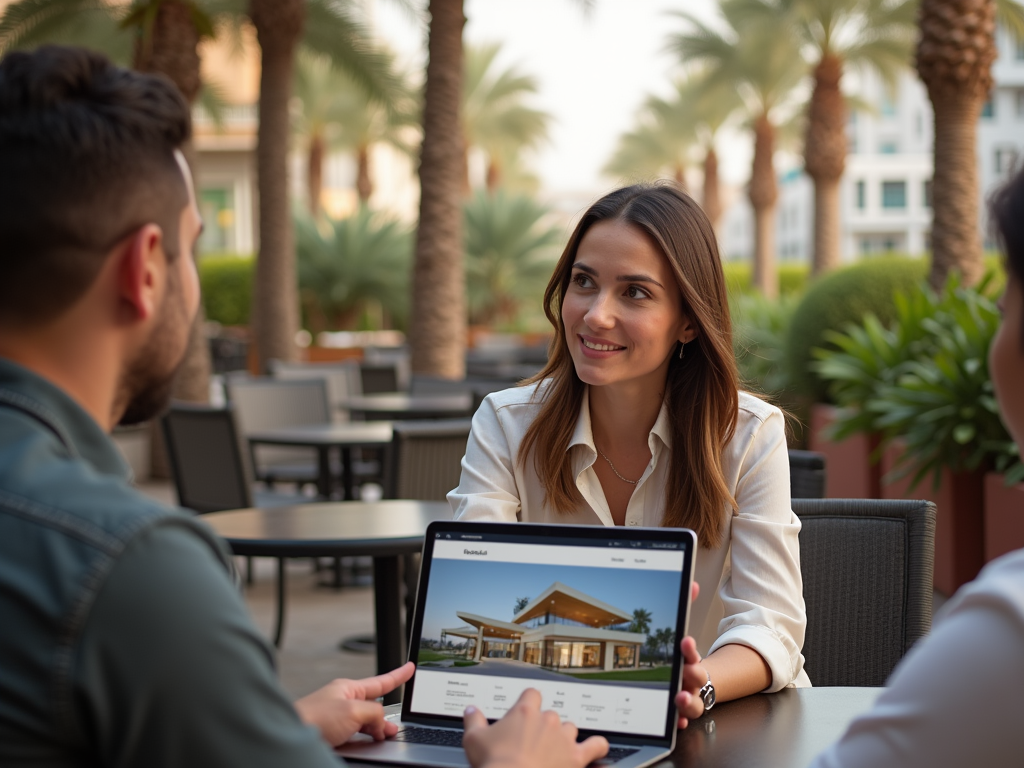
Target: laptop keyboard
[445, 738]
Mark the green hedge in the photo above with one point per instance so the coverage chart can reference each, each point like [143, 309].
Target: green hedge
[739, 278]
[226, 282]
[839, 298]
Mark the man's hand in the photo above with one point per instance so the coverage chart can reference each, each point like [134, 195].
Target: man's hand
[527, 738]
[343, 708]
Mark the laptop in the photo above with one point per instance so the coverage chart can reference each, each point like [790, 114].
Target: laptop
[577, 612]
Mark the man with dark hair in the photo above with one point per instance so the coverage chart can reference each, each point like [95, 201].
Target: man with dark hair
[123, 640]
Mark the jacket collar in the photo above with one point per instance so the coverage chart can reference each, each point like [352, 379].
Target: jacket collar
[30, 393]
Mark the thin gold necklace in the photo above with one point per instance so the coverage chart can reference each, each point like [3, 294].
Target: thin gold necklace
[623, 479]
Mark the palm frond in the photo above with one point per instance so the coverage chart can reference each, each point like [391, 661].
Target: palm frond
[1010, 13]
[333, 30]
[90, 23]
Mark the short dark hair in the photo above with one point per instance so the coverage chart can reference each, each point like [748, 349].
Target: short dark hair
[86, 158]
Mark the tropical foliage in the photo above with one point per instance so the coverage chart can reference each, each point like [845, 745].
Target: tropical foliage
[510, 254]
[495, 116]
[925, 381]
[331, 111]
[353, 273]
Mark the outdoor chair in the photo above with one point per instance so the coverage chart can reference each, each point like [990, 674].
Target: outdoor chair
[867, 571]
[270, 403]
[343, 380]
[424, 459]
[806, 474]
[424, 462]
[211, 473]
[376, 379]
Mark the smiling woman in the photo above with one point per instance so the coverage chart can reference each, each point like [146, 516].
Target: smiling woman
[637, 419]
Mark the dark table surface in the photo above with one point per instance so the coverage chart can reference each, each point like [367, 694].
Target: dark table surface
[324, 437]
[399, 405]
[767, 730]
[384, 530]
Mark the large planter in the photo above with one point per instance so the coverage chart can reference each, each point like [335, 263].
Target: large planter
[959, 524]
[849, 472]
[1004, 516]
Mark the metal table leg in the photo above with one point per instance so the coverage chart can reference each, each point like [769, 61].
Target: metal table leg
[387, 588]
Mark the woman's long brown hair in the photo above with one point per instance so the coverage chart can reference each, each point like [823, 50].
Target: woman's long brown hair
[702, 390]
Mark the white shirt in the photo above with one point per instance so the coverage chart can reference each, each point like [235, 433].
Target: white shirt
[957, 699]
[751, 589]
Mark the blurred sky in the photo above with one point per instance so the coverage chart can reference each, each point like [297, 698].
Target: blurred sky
[594, 68]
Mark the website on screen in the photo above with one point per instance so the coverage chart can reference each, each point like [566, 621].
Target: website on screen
[591, 627]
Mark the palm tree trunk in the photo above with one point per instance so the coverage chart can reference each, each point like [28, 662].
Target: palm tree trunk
[679, 176]
[275, 313]
[364, 184]
[493, 176]
[763, 193]
[954, 58]
[314, 173]
[826, 255]
[712, 200]
[172, 48]
[438, 324]
[825, 159]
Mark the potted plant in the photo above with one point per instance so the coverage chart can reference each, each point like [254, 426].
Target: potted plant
[1004, 501]
[942, 410]
[831, 304]
[864, 359]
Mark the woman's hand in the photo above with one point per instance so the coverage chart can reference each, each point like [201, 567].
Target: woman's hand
[343, 708]
[688, 700]
[527, 738]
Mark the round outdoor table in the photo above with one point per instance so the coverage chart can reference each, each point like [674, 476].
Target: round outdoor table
[766, 730]
[383, 530]
[325, 437]
[398, 405]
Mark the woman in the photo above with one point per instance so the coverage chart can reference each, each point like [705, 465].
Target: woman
[637, 419]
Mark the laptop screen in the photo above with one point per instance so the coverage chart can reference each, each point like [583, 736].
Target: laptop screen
[587, 615]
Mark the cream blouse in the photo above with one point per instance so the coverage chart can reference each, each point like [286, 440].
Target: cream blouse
[751, 590]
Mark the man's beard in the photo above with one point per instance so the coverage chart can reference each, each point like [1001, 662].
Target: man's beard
[148, 381]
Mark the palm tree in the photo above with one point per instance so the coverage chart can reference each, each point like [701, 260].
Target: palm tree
[660, 142]
[334, 112]
[664, 639]
[955, 52]
[494, 118]
[641, 621]
[762, 61]
[438, 327]
[333, 30]
[438, 338]
[510, 253]
[875, 34]
[710, 103]
[521, 602]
